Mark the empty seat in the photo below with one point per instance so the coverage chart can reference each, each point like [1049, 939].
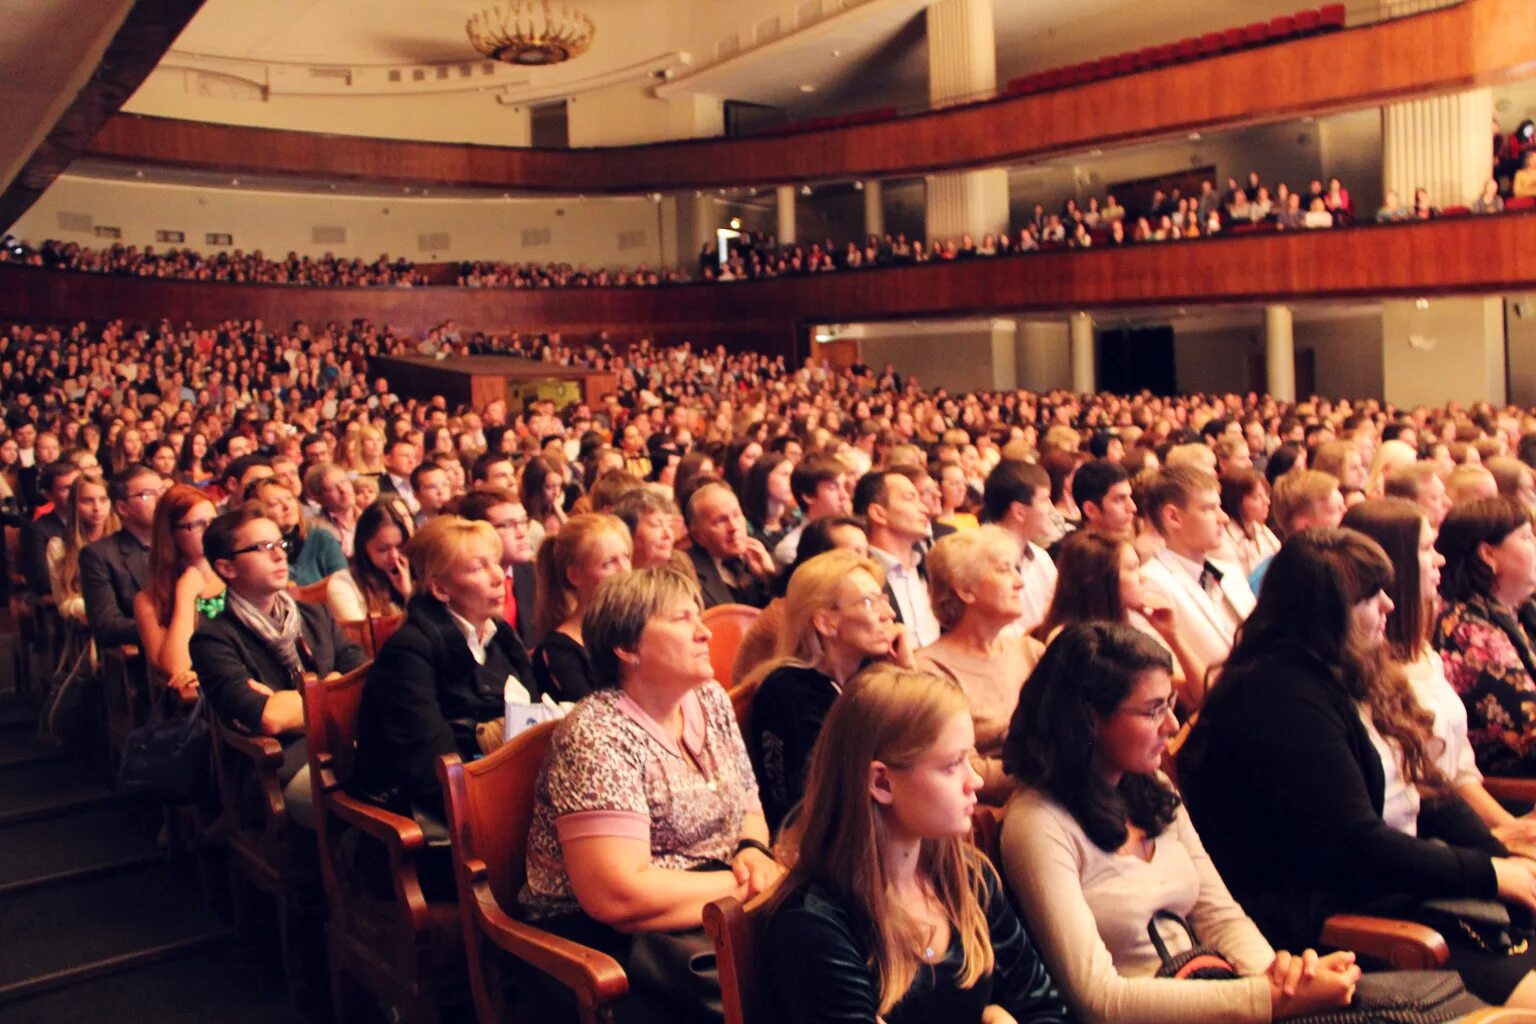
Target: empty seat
[1105, 67]
[1232, 39]
[1164, 55]
[1210, 44]
[1187, 49]
[1282, 27]
[1455, 211]
[1145, 58]
[1331, 17]
[1307, 21]
[1520, 203]
[1256, 33]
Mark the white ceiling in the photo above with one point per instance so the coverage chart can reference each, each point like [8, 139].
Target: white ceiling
[48, 50]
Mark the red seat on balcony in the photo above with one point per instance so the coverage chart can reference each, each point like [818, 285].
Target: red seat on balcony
[1187, 50]
[1125, 63]
[1282, 27]
[1256, 34]
[1146, 57]
[1307, 21]
[1164, 55]
[1053, 78]
[1105, 67]
[1521, 203]
[1210, 44]
[1331, 17]
[1455, 211]
[1232, 39]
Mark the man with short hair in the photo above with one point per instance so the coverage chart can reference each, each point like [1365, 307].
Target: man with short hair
[1210, 599]
[820, 488]
[1420, 483]
[400, 459]
[733, 567]
[897, 522]
[54, 482]
[1017, 497]
[1102, 491]
[505, 512]
[495, 470]
[328, 487]
[115, 568]
[429, 482]
[316, 449]
[250, 659]
[241, 473]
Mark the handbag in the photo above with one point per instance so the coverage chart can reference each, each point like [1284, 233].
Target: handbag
[1483, 925]
[168, 762]
[1197, 962]
[679, 967]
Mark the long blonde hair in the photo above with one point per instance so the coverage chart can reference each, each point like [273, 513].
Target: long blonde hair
[894, 716]
[555, 597]
[75, 537]
[812, 588]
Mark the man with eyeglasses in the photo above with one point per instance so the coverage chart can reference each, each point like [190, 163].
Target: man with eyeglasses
[505, 512]
[115, 568]
[249, 659]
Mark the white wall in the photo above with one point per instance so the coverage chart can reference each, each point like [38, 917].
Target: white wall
[971, 355]
[1520, 324]
[629, 114]
[1043, 354]
[586, 231]
[1347, 353]
[1446, 350]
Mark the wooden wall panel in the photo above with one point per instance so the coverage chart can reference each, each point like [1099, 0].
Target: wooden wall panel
[1475, 42]
[1468, 255]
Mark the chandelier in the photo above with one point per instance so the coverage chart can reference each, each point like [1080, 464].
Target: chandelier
[530, 32]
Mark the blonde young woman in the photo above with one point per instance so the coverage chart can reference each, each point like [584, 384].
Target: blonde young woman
[888, 913]
[90, 519]
[975, 588]
[367, 452]
[568, 567]
[837, 618]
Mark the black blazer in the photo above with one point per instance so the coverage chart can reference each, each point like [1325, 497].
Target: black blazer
[112, 571]
[716, 591]
[523, 589]
[424, 697]
[1286, 790]
[34, 551]
[227, 654]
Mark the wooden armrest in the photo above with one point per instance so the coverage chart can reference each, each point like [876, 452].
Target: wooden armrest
[596, 978]
[263, 751]
[399, 833]
[1403, 945]
[1514, 790]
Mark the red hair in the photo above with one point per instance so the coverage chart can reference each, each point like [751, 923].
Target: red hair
[165, 566]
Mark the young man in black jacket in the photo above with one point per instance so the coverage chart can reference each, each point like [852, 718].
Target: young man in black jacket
[249, 659]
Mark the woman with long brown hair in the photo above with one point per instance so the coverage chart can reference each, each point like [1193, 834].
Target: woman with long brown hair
[183, 588]
[568, 567]
[887, 911]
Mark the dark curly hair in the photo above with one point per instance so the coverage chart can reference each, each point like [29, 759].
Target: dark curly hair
[1086, 673]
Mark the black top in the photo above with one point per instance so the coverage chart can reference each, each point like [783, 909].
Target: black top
[787, 712]
[817, 969]
[112, 571]
[34, 551]
[425, 695]
[562, 669]
[1286, 790]
[712, 586]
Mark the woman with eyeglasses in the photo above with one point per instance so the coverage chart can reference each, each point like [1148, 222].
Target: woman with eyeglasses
[837, 619]
[183, 588]
[1285, 777]
[1096, 843]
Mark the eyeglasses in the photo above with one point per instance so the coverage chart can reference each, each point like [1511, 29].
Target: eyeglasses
[869, 602]
[196, 526]
[152, 494]
[1157, 711]
[269, 547]
[512, 524]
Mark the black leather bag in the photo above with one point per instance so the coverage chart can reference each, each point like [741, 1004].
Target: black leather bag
[168, 762]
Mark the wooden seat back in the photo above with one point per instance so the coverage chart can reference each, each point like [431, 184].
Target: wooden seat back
[357, 631]
[727, 624]
[734, 929]
[741, 703]
[382, 627]
[311, 593]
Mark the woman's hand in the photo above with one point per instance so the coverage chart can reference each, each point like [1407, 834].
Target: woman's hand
[1309, 983]
[1517, 881]
[189, 585]
[755, 872]
[901, 647]
[1160, 615]
[400, 575]
[185, 685]
[1519, 836]
[996, 1015]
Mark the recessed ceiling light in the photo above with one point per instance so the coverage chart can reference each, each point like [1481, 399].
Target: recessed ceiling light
[805, 190]
[1193, 136]
[807, 87]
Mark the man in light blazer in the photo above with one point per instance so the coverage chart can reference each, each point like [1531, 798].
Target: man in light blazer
[1210, 599]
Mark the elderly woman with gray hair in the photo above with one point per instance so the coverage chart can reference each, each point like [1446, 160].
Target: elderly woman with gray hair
[976, 592]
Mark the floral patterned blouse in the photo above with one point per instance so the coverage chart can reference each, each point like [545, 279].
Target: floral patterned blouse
[1489, 662]
[612, 770]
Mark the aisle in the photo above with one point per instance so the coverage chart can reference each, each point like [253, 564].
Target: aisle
[99, 924]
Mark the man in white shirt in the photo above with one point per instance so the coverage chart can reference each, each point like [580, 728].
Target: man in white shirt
[1210, 599]
[897, 521]
[1017, 497]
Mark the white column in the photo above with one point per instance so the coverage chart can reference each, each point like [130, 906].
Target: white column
[962, 64]
[1280, 353]
[1439, 143]
[1084, 377]
[874, 208]
[786, 209]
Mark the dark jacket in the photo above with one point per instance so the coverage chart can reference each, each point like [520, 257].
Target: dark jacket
[754, 592]
[112, 571]
[424, 697]
[787, 712]
[523, 590]
[1286, 790]
[227, 654]
[562, 668]
[817, 968]
[34, 551]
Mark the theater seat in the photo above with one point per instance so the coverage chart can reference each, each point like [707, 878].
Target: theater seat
[727, 624]
[1256, 34]
[1125, 63]
[1210, 44]
[1455, 211]
[1307, 21]
[734, 929]
[1282, 27]
[1331, 17]
[1520, 203]
[1232, 39]
[1187, 49]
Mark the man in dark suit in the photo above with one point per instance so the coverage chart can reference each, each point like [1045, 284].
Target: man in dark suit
[115, 568]
[249, 659]
[504, 511]
[54, 481]
[400, 460]
[733, 567]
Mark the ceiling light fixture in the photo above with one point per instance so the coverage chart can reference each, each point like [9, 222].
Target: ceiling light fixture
[530, 33]
[807, 87]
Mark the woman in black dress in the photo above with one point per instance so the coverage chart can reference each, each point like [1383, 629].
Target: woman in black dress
[587, 550]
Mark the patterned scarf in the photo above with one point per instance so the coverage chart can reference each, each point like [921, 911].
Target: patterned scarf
[279, 631]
